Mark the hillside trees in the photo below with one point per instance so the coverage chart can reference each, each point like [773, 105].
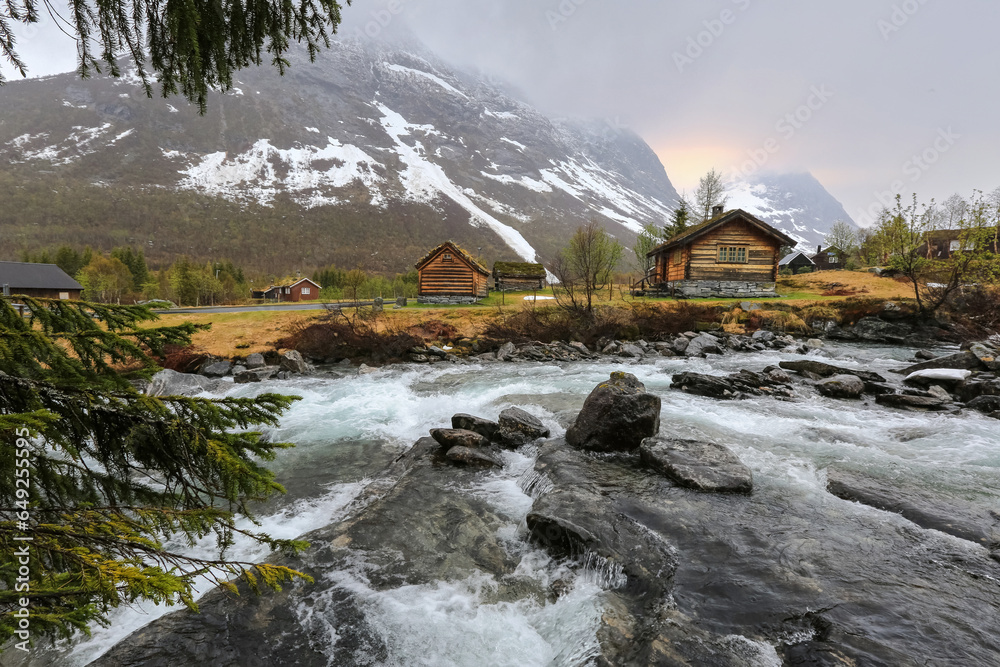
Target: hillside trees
[190, 48]
[112, 483]
[679, 221]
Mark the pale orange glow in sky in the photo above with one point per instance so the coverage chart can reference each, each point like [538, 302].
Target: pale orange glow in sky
[689, 162]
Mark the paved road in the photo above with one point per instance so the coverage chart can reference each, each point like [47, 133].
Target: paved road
[253, 309]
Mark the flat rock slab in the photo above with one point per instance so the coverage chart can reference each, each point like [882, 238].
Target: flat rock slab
[473, 456]
[483, 427]
[828, 370]
[703, 466]
[917, 403]
[457, 437]
[927, 509]
[965, 359]
[947, 377]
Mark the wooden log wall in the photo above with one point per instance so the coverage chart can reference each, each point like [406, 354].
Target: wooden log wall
[762, 254]
[451, 278]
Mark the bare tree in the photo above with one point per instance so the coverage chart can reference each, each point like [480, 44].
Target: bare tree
[711, 193]
[648, 239]
[844, 237]
[585, 267]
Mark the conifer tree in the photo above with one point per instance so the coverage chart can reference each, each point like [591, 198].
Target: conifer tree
[189, 47]
[113, 478]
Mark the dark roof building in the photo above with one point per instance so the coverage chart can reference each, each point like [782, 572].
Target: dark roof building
[518, 276]
[796, 261]
[829, 259]
[303, 289]
[43, 281]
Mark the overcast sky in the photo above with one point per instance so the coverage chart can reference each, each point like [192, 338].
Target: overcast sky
[868, 95]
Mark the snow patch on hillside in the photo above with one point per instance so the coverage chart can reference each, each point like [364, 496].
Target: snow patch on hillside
[264, 170]
[523, 181]
[425, 181]
[431, 77]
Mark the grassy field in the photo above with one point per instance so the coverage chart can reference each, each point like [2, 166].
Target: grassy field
[239, 334]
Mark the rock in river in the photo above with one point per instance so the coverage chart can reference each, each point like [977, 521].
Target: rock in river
[704, 466]
[828, 370]
[617, 416]
[518, 427]
[484, 427]
[841, 386]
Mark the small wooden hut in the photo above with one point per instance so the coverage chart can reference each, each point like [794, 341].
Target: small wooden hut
[796, 261]
[518, 276]
[733, 254]
[448, 274]
[828, 259]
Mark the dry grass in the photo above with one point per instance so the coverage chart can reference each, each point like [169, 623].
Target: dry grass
[819, 294]
[843, 284]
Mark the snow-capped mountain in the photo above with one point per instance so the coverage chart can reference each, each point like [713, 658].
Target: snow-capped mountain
[369, 156]
[367, 126]
[797, 204]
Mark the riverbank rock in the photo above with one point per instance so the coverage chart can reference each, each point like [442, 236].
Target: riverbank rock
[841, 386]
[256, 375]
[700, 384]
[456, 437]
[987, 355]
[254, 361]
[617, 416]
[517, 427]
[217, 369]
[824, 370]
[484, 427]
[703, 466]
[172, 383]
[703, 345]
[292, 362]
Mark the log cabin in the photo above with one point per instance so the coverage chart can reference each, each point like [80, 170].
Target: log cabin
[731, 255]
[828, 259]
[448, 274]
[42, 281]
[518, 276]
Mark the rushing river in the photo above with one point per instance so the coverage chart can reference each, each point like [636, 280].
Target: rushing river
[347, 428]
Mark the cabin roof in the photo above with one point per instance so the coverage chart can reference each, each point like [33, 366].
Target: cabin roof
[458, 250]
[293, 284]
[692, 233]
[788, 259]
[519, 269]
[28, 275]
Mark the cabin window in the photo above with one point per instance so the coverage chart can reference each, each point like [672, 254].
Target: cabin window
[288, 290]
[732, 254]
[446, 257]
[64, 295]
[675, 257]
[831, 258]
[305, 290]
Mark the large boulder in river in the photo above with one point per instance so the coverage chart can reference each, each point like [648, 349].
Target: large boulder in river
[841, 386]
[700, 384]
[943, 377]
[702, 345]
[472, 456]
[518, 427]
[704, 466]
[617, 416]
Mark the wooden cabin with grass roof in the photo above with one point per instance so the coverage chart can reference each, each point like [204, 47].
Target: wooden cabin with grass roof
[518, 277]
[731, 255]
[448, 275]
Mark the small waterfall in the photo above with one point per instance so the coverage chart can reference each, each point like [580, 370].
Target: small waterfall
[605, 573]
[535, 484]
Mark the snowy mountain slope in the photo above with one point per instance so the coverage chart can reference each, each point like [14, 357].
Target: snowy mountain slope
[366, 126]
[797, 204]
